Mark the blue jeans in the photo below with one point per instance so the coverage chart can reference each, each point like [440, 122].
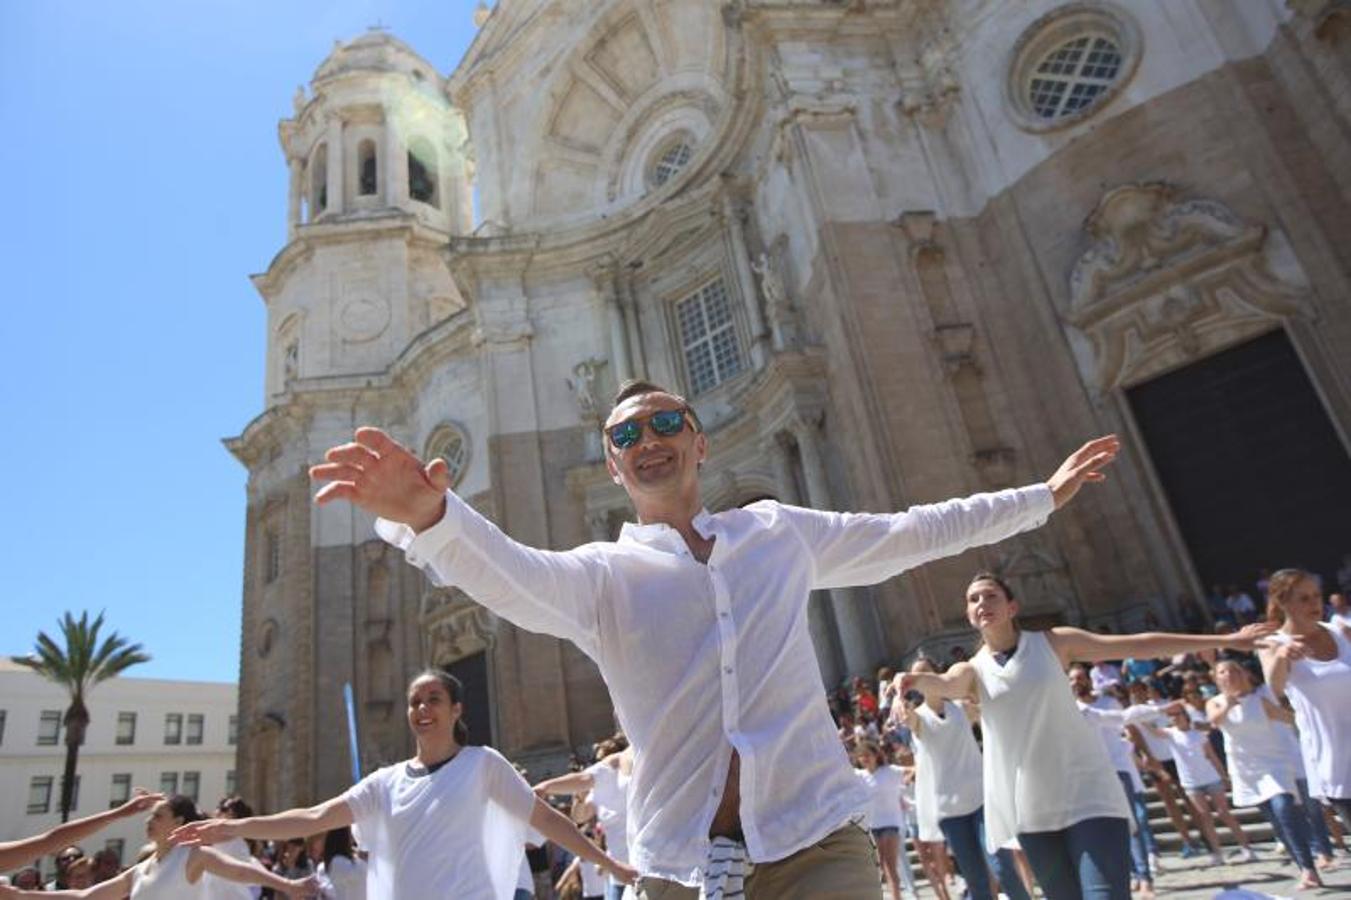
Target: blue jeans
[966, 839]
[1086, 861]
[1142, 841]
[1319, 839]
[1291, 825]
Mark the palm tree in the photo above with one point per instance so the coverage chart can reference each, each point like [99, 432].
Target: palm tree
[81, 664]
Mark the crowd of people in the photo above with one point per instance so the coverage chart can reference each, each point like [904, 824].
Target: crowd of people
[1210, 723]
[732, 779]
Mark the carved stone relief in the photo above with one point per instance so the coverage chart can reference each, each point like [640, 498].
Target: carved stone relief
[453, 626]
[1165, 281]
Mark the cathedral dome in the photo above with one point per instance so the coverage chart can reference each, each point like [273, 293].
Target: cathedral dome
[375, 51]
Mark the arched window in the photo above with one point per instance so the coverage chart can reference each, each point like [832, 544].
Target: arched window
[366, 178]
[422, 180]
[708, 337]
[670, 159]
[319, 181]
[1071, 76]
[450, 443]
[1070, 63]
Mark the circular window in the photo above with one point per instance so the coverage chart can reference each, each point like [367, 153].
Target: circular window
[450, 443]
[670, 159]
[1069, 64]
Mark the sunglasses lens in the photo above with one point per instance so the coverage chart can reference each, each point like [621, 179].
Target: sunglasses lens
[668, 422]
[625, 434]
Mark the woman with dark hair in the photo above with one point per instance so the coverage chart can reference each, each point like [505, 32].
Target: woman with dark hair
[177, 873]
[234, 808]
[1049, 782]
[1311, 665]
[342, 874]
[948, 778]
[450, 822]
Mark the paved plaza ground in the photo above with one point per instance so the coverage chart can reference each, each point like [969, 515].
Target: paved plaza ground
[1194, 879]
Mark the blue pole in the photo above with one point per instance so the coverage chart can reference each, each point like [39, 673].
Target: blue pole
[352, 730]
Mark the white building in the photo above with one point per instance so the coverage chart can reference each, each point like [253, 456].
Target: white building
[174, 736]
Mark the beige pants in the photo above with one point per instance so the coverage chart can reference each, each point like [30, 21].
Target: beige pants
[843, 866]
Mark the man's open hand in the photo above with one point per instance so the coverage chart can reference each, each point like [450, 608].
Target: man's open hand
[381, 476]
[1084, 465]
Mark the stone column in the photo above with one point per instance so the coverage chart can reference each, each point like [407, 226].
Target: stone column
[603, 279]
[294, 188]
[819, 622]
[851, 626]
[396, 166]
[337, 166]
[741, 261]
[629, 310]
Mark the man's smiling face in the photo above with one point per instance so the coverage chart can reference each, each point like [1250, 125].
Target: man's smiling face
[655, 465]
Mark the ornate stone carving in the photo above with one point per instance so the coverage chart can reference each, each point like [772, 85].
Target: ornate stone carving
[1038, 574]
[1166, 280]
[929, 96]
[583, 387]
[458, 631]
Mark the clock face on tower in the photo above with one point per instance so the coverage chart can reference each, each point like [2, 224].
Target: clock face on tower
[364, 318]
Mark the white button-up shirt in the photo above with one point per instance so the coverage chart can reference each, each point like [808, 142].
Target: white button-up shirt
[701, 659]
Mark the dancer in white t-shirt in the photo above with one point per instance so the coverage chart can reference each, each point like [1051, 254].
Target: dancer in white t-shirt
[450, 822]
[1260, 768]
[1312, 667]
[885, 784]
[607, 783]
[1199, 772]
[948, 777]
[1048, 780]
[178, 873]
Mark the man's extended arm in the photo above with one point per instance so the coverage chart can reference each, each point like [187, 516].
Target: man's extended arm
[539, 590]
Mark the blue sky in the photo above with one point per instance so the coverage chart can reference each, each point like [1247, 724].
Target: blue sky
[143, 184]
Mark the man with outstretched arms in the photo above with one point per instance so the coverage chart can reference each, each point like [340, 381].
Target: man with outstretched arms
[698, 622]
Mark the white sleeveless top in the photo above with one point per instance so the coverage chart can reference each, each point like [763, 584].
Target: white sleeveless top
[947, 765]
[216, 888]
[885, 786]
[1045, 767]
[166, 878]
[1258, 760]
[1320, 692]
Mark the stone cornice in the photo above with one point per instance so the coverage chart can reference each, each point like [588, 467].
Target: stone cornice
[351, 227]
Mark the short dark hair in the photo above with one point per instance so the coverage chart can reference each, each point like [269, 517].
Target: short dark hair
[636, 387]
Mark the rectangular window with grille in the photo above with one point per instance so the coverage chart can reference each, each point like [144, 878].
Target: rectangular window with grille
[2, 727]
[708, 337]
[192, 785]
[231, 783]
[196, 727]
[126, 729]
[232, 732]
[121, 790]
[168, 783]
[39, 795]
[173, 728]
[49, 727]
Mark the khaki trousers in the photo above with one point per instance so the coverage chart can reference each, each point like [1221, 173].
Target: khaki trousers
[843, 866]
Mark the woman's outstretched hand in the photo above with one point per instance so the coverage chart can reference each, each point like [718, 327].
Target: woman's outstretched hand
[383, 477]
[1084, 465]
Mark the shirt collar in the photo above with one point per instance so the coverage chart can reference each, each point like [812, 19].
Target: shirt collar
[661, 536]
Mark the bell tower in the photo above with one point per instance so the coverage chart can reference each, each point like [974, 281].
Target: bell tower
[380, 173]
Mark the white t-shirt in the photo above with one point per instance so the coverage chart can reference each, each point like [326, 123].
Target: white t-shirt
[593, 880]
[1194, 768]
[884, 789]
[525, 880]
[343, 878]
[457, 832]
[166, 878]
[610, 794]
[215, 888]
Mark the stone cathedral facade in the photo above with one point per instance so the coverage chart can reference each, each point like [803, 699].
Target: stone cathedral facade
[893, 250]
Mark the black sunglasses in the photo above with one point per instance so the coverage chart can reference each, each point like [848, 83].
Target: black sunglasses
[666, 423]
